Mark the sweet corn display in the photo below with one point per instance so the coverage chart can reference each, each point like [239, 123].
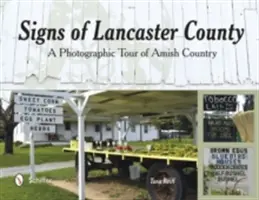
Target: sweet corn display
[244, 122]
[174, 150]
[169, 147]
[166, 149]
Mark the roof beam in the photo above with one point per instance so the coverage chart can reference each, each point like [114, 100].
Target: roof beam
[136, 109]
[143, 99]
[126, 112]
[138, 105]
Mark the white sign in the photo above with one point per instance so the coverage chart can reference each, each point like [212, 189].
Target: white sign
[37, 100]
[38, 119]
[38, 110]
[42, 128]
[229, 171]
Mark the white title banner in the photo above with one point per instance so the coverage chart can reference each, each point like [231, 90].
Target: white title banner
[138, 44]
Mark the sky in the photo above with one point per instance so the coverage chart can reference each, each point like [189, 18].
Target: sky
[5, 95]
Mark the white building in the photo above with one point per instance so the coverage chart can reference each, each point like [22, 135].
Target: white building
[68, 130]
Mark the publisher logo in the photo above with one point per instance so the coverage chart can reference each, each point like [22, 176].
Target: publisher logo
[18, 180]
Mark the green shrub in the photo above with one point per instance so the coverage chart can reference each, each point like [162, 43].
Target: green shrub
[17, 143]
[89, 139]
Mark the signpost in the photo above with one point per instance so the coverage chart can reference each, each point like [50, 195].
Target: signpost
[40, 113]
[80, 110]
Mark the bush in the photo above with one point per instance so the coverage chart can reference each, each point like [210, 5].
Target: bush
[89, 139]
[17, 143]
[74, 137]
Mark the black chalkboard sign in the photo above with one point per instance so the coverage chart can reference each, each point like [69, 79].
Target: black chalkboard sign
[219, 130]
[226, 103]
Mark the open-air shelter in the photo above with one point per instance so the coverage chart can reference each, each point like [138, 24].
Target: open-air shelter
[106, 106]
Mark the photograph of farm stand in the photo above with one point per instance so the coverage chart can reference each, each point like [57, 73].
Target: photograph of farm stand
[171, 162]
[162, 160]
[167, 168]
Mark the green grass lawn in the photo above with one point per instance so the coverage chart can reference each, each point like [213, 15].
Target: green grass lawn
[42, 191]
[42, 155]
[39, 191]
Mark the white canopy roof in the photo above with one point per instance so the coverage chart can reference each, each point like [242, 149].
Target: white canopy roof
[135, 103]
[108, 104]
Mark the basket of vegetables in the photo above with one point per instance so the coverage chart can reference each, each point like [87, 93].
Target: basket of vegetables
[127, 148]
[119, 148]
[124, 148]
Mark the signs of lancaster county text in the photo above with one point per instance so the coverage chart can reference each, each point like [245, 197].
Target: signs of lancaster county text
[191, 32]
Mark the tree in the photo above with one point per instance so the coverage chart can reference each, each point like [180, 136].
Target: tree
[179, 122]
[7, 117]
[249, 102]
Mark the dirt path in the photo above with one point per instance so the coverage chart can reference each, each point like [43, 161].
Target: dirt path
[104, 189]
[91, 193]
[111, 188]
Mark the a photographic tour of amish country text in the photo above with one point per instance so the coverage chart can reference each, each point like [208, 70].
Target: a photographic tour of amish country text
[228, 118]
[228, 171]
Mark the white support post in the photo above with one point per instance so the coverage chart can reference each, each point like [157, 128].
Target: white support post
[81, 148]
[140, 132]
[81, 112]
[32, 157]
[114, 128]
[118, 124]
[81, 153]
[127, 131]
[195, 132]
[122, 131]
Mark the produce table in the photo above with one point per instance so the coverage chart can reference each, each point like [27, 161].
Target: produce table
[169, 153]
[163, 160]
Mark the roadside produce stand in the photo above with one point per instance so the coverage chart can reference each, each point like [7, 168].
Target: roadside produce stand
[138, 105]
[165, 162]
